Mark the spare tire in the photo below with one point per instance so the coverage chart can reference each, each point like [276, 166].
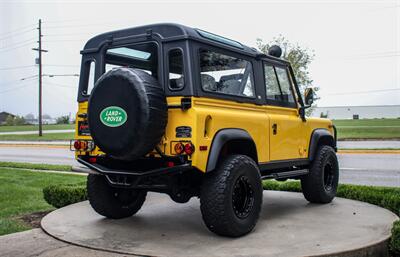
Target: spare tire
[127, 113]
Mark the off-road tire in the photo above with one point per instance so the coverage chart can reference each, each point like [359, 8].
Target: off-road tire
[113, 203]
[320, 185]
[217, 199]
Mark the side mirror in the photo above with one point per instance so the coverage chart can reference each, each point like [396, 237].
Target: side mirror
[309, 96]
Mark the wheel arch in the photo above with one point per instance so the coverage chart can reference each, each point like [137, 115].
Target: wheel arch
[320, 137]
[231, 141]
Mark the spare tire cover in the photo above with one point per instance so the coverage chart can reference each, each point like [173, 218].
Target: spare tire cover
[127, 113]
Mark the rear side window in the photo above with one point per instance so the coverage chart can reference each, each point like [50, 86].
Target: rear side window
[271, 83]
[278, 86]
[175, 66]
[284, 82]
[90, 68]
[226, 74]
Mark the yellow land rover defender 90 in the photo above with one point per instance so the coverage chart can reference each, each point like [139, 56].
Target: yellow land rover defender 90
[178, 110]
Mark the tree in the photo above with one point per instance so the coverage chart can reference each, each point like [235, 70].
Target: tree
[46, 117]
[299, 57]
[29, 116]
[10, 120]
[15, 120]
[63, 119]
[19, 120]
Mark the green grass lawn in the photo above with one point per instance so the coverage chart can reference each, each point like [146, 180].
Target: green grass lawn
[21, 193]
[36, 166]
[35, 137]
[35, 127]
[368, 128]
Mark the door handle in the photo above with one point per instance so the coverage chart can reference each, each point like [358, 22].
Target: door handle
[274, 129]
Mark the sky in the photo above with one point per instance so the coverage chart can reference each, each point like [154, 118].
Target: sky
[356, 43]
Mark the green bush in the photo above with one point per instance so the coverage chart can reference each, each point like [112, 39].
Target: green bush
[63, 195]
[394, 243]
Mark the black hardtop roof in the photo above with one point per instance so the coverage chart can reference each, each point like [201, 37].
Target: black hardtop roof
[168, 32]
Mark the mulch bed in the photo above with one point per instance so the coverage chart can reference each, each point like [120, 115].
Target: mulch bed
[33, 219]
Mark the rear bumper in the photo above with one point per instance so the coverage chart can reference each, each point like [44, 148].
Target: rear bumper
[94, 168]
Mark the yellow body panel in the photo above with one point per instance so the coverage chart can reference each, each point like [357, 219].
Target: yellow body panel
[207, 116]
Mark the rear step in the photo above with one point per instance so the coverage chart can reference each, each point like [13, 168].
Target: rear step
[286, 174]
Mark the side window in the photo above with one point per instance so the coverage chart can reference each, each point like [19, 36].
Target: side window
[284, 82]
[91, 67]
[225, 74]
[271, 83]
[175, 66]
[278, 87]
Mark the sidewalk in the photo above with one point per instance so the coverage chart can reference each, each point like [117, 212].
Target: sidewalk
[35, 242]
[369, 144]
[35, 143]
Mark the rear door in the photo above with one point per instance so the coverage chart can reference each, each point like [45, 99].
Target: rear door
[285, 123]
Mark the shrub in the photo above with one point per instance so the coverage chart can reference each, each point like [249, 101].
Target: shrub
[63, 195]
[63, 119]
[394, 243]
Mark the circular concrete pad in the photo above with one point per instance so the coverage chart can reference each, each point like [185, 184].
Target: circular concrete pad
[288, 226]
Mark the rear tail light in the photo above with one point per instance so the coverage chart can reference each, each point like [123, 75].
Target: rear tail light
[77, 145]
[83, 145]
[179, 148]
[183, 147]
[189, 148]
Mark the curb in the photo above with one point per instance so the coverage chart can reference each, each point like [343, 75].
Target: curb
[47, 171]
[371, 151]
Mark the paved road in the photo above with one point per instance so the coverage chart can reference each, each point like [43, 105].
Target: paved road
[366, 169]
[370, 169]
[35, 132]
[37, 154]
[372, 144]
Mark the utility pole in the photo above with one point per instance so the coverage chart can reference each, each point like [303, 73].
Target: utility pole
[40, 50]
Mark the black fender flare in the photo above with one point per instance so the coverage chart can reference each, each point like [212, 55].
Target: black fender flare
[222, 137]
[317, 136]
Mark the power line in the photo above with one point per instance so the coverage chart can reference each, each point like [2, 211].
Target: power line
[61, 65]
[13, 48]
[18, 29]
[374, 55]
[16, 88]
[77, 25]
[18, 81]
[17, 67]
[59, 85]
[64, 40]
[61, 75]
[66, 34]
[20, 42]
[30, 77]
[366, 92]
[17, 34]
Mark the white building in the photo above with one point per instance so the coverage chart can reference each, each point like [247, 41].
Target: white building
[358, 112]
